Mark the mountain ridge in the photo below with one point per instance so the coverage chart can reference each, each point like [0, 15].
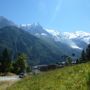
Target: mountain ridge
[17, 40]
[85, 36]
[72, 42]
[54, 43]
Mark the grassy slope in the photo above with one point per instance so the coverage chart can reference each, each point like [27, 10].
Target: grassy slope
[68, 78]
[5, 84]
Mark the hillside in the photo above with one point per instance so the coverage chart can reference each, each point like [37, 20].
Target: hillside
[55, 39]
[20, 41]
[69, 78]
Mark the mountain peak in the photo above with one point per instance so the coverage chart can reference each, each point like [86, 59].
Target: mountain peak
[2, 17]
[5, 22]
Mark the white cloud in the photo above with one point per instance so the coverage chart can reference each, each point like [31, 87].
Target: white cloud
[57, 10]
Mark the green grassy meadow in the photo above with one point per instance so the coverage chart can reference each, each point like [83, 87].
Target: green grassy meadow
[75, 77]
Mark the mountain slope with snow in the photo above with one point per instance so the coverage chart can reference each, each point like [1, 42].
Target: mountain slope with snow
[71, 37]
[48, 43]
[72, 42]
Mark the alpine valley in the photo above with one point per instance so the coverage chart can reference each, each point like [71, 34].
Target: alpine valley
[43, 46]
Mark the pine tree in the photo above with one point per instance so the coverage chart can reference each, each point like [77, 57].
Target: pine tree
[5, 61]
[83, 56]
[88, 52]
[21, 63]
[68, 61]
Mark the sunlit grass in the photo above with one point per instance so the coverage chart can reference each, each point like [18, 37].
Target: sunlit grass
[69, 78]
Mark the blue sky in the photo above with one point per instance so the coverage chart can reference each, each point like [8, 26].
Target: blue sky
[62, 15]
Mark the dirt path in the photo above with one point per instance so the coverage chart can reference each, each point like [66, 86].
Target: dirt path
[6, 81]
[8, 78]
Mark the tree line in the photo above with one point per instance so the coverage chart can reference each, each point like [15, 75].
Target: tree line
[20, 64]
[85, 55]
[16, 66]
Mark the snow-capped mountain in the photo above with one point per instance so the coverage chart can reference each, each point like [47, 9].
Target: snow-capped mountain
[72, 42]
[71, 37]
[35, 29]
[60, 43]
[84, 36]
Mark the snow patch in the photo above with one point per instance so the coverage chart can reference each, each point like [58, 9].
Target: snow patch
[53, 32]
[77, 34]
[43, 34]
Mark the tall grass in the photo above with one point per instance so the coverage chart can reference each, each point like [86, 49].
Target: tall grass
[69, 78]
[88, 81]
